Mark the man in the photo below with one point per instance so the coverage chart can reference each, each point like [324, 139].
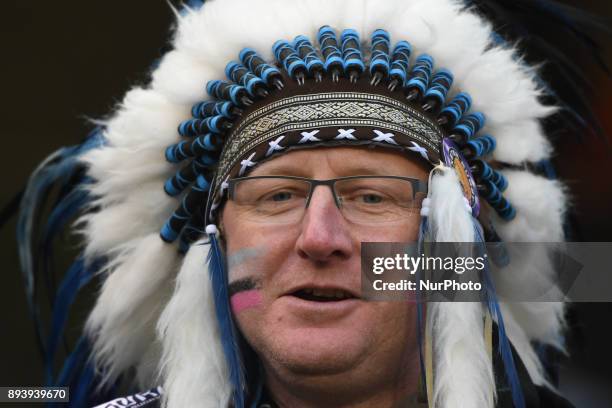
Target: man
[348, 132]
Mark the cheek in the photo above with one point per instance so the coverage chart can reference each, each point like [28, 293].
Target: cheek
[251, 276]
[393, 328]
[245, 275]
[408, 232]
[246, 300]
[249, 309]
[246, 263]
[253, 250]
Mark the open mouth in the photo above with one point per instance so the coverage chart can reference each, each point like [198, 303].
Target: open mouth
[323, 295]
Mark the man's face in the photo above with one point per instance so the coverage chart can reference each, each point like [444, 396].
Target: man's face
[295, 336]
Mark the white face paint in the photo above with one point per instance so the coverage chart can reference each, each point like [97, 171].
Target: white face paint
[241, 263]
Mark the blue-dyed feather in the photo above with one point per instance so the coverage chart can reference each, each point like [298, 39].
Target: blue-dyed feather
[547, 168]
[79, 275]
[190, 5]
[66, 294]
[43, 178]
[72, 368]
[57, 167]
[503, 343]
[74, 362]
[47, 173]
[77, 374]
[195, 4]
[63, 172]
[80, 394]
[216, 267]
[73, 201]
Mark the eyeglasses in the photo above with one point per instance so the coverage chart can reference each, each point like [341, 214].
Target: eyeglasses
[363, 200]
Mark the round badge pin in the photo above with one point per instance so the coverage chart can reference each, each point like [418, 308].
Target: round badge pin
[454, 158]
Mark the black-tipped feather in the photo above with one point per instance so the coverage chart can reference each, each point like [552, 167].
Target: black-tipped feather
[54, 197]
[550, 32]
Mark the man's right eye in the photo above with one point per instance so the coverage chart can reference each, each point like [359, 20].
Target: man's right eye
[281, 196]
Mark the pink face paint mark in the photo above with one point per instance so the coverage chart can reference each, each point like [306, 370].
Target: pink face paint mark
[244, 300]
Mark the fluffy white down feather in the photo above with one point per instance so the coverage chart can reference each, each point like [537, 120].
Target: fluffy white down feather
[122, 323]
[193, 365]
[540, 207]
[463, 372]
[131, 169]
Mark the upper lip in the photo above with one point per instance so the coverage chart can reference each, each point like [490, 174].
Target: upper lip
[320, 286]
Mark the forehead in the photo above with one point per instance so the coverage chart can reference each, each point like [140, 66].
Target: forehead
[344, 161]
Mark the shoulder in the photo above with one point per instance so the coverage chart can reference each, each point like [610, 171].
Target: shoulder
[146, 399]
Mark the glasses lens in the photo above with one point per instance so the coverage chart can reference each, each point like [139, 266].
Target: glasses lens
[272, 200]
[374, 200]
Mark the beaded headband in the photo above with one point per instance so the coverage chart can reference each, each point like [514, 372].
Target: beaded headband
[326, 97]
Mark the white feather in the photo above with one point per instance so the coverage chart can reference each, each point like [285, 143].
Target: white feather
[463, 373]
[520, 141]
[523, 346]
[193, 365]
[540, 209]
[120, 223]
[122, 323]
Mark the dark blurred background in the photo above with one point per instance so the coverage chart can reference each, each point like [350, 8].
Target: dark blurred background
[67, 62]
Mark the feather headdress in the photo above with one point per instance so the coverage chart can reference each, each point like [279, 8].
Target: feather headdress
[159, 317]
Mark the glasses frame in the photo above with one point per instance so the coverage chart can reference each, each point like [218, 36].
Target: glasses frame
[418, 186]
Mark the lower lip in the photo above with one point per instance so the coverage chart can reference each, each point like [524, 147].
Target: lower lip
[328, 309]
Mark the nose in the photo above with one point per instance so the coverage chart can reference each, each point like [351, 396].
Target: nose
[325, 235]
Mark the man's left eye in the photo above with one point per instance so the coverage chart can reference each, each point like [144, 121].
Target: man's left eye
[371, 198]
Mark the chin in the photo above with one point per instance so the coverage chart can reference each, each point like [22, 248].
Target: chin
[305, 342]
[318, 351]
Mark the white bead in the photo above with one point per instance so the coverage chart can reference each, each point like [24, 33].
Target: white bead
[211, 229]
[424, 211]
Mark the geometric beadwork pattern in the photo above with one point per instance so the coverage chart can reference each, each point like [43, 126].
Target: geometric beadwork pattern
[334, 109]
